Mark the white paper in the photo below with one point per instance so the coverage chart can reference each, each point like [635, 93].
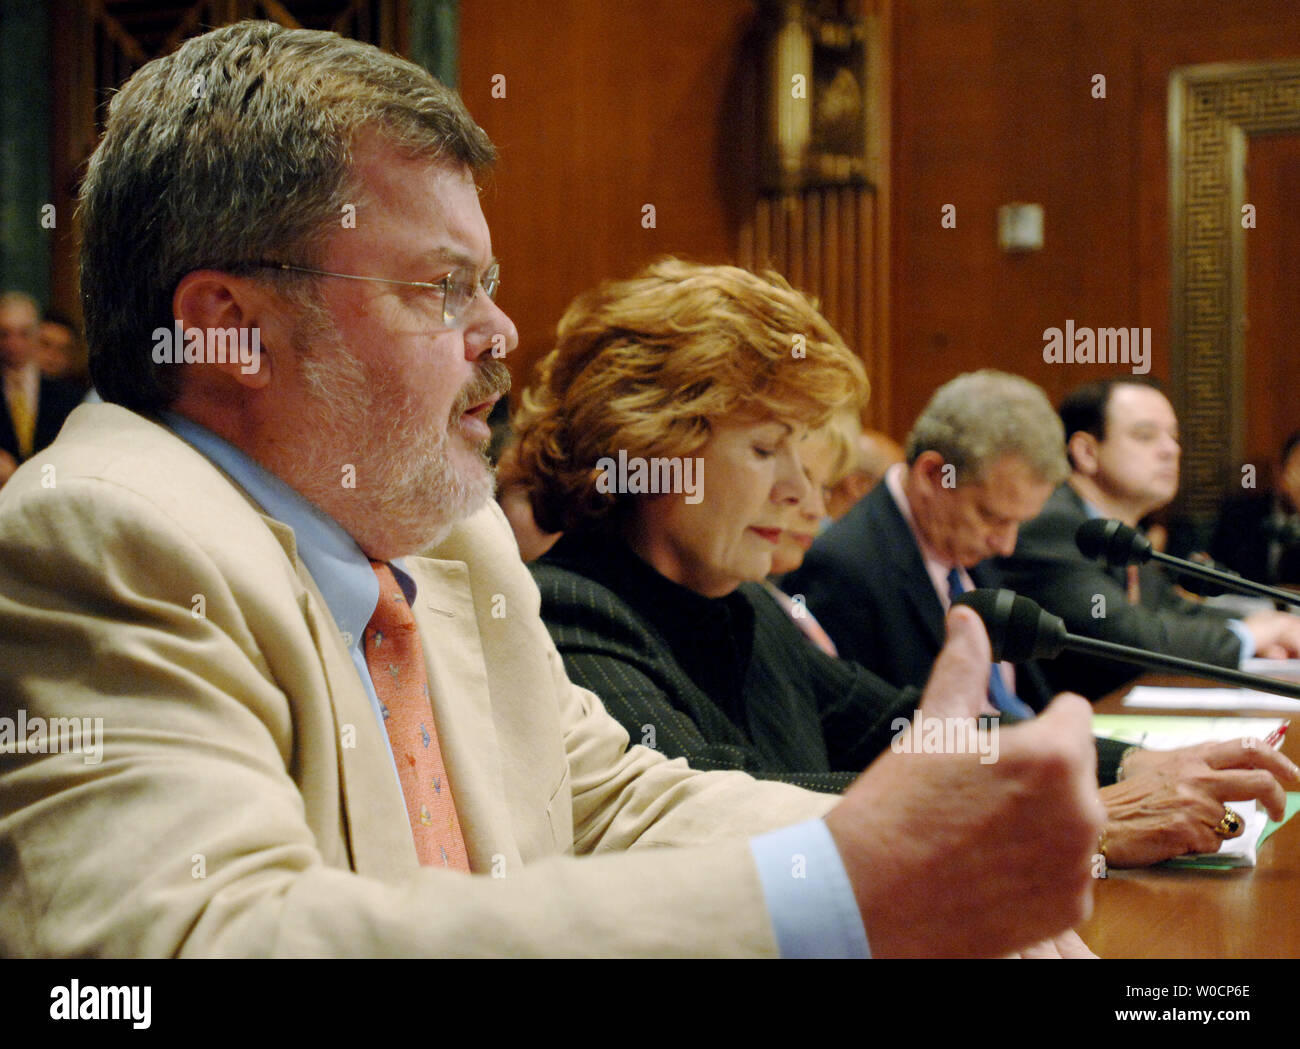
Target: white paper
[1288, 669]
[1241, 851]
[1207, 699]
[1165, 732]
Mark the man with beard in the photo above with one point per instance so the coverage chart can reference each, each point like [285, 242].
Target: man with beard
[316, 742]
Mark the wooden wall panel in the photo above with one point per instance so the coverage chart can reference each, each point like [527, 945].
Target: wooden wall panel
[1270, 372]
[992, 104]
[608, 108]
[97, 44]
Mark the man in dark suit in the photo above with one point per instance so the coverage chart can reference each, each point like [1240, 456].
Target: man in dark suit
[1124, 451]
[982, 457]
[1258, 534]
[32, 408]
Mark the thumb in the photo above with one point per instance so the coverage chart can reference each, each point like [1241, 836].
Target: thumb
[1068, 714]
[959, 682]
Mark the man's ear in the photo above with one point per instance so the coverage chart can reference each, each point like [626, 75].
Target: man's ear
[928, 470]
[234, 315]
[1083, 449]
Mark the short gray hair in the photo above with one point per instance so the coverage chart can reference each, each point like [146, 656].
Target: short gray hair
[977, 418]
[233, 149]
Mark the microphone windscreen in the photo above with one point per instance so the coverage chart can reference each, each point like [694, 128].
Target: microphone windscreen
[1118, 543]
[1018, 628]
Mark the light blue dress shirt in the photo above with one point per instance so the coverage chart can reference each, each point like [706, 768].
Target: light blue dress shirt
[809, 898]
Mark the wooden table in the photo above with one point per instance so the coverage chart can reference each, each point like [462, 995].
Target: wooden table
[1158, 913]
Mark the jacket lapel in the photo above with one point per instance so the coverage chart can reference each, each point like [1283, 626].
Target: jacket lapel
[379, 834]
[905, 562]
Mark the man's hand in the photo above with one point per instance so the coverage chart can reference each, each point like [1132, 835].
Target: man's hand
[8, 464]
[951, 857]
[1170, 801]
[1276, 634]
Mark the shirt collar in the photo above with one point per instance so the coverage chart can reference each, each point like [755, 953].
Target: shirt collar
[337, 565]
[894, 481]
[936, 567]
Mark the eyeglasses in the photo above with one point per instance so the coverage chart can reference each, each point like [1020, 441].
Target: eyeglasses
[458, 288]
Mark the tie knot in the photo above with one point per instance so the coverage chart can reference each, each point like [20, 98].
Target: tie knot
[955, 587]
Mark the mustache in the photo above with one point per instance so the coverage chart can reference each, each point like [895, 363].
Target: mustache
[492, 378]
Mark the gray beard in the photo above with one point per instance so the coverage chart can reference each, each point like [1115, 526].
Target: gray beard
[408, 490]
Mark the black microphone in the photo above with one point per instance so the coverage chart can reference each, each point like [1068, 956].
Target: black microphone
[1121, 544]
[1019, 629]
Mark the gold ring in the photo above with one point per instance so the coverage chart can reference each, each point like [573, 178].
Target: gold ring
[1231, 824]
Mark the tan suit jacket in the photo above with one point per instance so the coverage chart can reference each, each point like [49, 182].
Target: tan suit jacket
[246, 804]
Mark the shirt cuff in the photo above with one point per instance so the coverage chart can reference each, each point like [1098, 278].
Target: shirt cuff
[1247, 639]
[809, 898]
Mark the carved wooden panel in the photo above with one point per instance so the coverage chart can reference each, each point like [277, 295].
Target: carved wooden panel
[823, 241]
[1213, 111]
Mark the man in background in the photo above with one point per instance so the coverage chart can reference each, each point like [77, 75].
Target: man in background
[1258, 533]
[62, 354]
[982, 458]
[33, 406]
[873, 454]
[1122, 439]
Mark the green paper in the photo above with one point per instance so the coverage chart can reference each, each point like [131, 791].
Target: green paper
[1292, 807]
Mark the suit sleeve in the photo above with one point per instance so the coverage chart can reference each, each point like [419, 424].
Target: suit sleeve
[844, 607]
[189, 835]
[1048, 567]
[859, 711]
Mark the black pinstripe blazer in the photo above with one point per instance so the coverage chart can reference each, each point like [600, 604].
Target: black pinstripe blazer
[795, 715]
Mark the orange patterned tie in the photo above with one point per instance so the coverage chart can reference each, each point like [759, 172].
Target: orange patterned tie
[396, 663]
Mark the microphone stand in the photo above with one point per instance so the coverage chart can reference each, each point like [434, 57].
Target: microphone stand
[1176, 663]
[1225, 579]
